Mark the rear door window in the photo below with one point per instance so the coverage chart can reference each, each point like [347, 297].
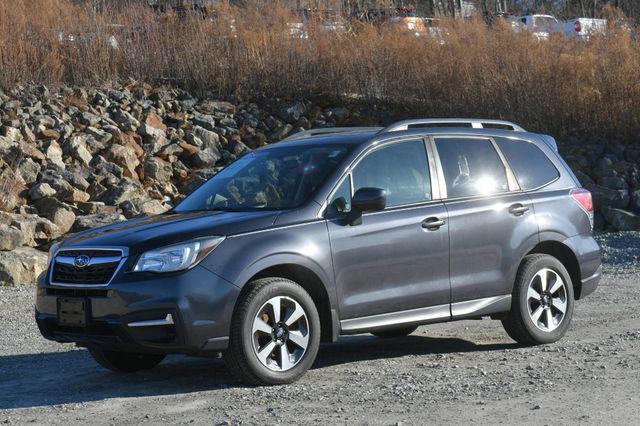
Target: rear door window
[531, 166]
[471, 167]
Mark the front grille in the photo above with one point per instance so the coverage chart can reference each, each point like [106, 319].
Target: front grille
[104, 265]
[90, 253]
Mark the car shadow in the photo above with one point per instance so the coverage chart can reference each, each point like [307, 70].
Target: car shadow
[33, 380]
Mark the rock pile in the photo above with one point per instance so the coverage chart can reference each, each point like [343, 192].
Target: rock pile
[75, 159]
[611, 171]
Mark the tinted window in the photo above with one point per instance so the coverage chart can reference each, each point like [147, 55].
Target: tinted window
[531, 166]
[275, 178]
[401, 169]
[471, 167]
[340, 201]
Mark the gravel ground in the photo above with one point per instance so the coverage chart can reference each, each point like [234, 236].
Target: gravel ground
[456, 372]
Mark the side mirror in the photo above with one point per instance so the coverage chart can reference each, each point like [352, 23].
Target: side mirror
[366, 200]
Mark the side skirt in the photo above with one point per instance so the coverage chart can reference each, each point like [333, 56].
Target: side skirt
[432, 314]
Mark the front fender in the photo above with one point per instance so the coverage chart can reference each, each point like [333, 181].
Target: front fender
[242, 256]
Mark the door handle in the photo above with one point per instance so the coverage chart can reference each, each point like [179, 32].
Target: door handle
[518, 209]
[432, 223]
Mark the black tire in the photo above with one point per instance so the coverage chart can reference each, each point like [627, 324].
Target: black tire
[125, 362]
[241, 357]
[519, 323]
[395, 332]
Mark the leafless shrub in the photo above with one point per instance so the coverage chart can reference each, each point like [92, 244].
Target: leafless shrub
[561, 86]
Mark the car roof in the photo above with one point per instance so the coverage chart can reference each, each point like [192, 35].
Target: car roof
[365, 136]
[372, 136]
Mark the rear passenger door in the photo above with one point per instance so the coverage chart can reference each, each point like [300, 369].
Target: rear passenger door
[491, 222]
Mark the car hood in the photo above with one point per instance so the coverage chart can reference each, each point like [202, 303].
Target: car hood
[151, 232]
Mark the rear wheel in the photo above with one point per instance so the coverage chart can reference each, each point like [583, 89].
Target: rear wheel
[275, 333]
[395, 332]
[542, 304]
[125, 362]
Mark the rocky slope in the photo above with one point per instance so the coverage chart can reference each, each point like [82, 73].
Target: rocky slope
[74, 159]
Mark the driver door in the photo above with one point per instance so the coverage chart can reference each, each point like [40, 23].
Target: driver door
[393, 261]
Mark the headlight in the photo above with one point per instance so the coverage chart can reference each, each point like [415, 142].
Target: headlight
[177, 257]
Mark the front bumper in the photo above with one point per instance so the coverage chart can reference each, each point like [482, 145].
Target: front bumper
[187, 312]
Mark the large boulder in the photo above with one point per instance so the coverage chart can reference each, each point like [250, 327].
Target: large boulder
[76, 147]
[125, 121]
[126, 189]
[22, 265]
[57, 212]
[41, 190]
[11, 133]
[281, 132]
[204, 120]
[292, 112]
[635, 201]
[10, 237]
[141, 207]
[35, 230]
[54, 155]
[154, 120]
[84, 223]
[123, 156]
[614, 182]
[157, 169]
[605, 197]
[205, 158]
[63, 185]
[209, 139]
[621, 220]
[29, 170]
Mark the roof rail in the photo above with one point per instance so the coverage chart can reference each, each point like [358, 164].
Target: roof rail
[328, 131]
[447, 122]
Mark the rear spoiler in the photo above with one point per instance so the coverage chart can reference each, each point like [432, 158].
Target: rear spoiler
[550, 140]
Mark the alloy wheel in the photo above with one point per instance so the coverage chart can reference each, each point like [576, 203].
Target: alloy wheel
[547, 299]
[280, 333]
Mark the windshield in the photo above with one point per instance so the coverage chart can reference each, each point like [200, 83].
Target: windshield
[270, 179]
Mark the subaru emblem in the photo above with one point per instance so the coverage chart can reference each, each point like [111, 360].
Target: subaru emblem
[81, 261]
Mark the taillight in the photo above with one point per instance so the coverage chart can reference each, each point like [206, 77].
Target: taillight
[577, 26]
[583, 197]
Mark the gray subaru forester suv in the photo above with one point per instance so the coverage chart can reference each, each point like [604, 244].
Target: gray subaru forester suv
[331, 232]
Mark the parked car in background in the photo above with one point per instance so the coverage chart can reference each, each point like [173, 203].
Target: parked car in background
[542, 26]
[329, 21]
[405, 21]
[583, 28]
[334, 231]
[409, 24]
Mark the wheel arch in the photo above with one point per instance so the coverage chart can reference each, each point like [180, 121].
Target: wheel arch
[313, 284]
[566, 256]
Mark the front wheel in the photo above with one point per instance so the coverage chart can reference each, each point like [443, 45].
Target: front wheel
[542, 304]
[125, 362]
[275, 333]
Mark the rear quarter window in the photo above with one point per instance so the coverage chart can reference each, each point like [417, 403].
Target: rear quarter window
[531, 166]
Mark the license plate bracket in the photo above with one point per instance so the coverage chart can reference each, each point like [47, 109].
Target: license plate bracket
[72, 312]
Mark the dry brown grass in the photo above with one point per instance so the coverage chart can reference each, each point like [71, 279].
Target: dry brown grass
[560, 86]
